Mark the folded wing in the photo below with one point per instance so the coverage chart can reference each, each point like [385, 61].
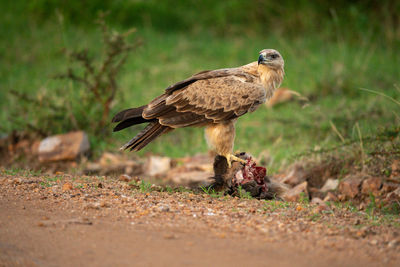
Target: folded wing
[213, 99]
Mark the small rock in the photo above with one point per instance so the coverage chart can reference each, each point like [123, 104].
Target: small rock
[23, 145]
[373, 242]
[17, 181]
[67, 187]
[183, 177]
[294, 194]
[331, 197]
[164, 208]
[63, 147]
[110, 163]
[393, 196]
[92, 167]
[103, 204]
[388, 187]
[169, 236]
[362, 233]
[371, 185]
[317, 200]
[330, 184]
[350, 186]
[35, 147]
[125, 178]
[295, 176]
[108, 159]
[321, 208]
[395, 168]
[156, 165]
[321, 205]
[393, 243]
[88, 206]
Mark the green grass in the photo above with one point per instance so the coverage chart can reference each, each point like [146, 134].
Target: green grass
[145, 186]
[329, 72]
[273, 205]
[211, 192]
[20, 171]
[243, 193]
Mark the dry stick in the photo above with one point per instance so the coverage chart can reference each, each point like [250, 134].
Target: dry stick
[361, 145]
[336, 131]
[71, 75]
[27, 98]
[381, 94]
[72, 116]
[84, 58]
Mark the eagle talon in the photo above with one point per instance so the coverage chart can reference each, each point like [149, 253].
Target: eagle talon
[230, 158]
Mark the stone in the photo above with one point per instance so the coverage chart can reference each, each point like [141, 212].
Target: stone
[94, 206]
[331, 197]
[388, 187]
[295, 193]
[320, 205]
[295, 176]
[156, 165]
[63, 147]
[108, 159]
[92, 167]
[330, 185]
[114, 164]
[395, 168]
[67, 187]
[198, 162]
[317, 201]
[188, 177]
[373, 242]
[35, 147]
[393, 196]
[350, 186]
[125, 178]
[393, 243]
[371, 185]
[164, 208]
[23, 145]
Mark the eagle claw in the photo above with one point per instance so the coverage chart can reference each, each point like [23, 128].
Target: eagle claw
[230, 158]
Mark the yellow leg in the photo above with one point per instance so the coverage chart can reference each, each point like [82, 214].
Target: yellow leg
[231, 157]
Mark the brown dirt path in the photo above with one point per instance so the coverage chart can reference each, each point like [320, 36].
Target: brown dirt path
[92, 221]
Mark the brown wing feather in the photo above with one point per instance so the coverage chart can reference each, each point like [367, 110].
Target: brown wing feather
[209, 96]
[218, 99]
[209, 74]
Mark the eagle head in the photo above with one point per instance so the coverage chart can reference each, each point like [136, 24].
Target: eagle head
[270, 58]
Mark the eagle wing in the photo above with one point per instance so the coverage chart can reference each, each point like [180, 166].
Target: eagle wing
[207, 97]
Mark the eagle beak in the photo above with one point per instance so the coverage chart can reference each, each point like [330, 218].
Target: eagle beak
[261, 59]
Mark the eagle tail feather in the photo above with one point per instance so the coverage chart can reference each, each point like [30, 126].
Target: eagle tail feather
[148, 134]
[129, 117]
[128, 113]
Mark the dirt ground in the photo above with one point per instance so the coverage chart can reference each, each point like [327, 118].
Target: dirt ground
[67, 220]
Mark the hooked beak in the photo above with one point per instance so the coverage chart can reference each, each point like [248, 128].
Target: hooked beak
[261, 59]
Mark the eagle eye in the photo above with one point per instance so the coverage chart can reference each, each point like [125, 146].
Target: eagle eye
[274, 56]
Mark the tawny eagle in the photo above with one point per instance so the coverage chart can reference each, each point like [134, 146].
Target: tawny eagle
[212, 99]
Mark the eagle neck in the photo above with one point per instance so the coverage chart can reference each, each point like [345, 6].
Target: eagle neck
[270, 78]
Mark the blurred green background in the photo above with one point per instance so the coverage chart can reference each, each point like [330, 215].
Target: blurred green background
[331, 50]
